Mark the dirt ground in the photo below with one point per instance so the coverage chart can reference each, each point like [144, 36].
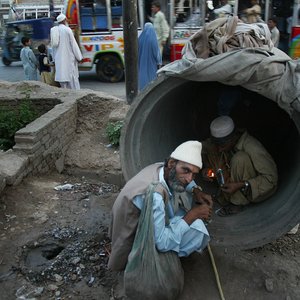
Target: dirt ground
[54, 242]
[54, 245]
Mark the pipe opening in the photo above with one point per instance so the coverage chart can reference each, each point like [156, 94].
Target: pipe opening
[174, 110]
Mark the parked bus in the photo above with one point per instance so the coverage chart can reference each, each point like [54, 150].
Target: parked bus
[98, 28]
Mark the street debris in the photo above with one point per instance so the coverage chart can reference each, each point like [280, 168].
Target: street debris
[64, 187]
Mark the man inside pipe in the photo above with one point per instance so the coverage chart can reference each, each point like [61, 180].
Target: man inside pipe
[186, 231]
[248, 170]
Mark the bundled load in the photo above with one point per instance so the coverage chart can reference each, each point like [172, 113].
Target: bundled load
[233, 53]
[226, 34]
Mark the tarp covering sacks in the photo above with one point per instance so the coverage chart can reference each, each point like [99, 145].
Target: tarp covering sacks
[234, 53]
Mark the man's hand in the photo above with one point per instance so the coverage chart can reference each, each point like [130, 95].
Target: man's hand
[202, 212]
[202, 198]
[232, 187]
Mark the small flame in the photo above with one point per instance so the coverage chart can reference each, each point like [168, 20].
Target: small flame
[210, 173]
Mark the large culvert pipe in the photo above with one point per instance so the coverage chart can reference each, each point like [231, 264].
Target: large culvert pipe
[173, 110]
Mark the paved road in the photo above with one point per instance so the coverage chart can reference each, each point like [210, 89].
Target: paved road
[88, 80]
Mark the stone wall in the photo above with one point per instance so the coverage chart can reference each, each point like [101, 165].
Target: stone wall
[46, 140]
[42, 144]
[70, 136]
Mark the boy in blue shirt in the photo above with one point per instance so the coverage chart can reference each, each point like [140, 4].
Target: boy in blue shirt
[29, 60]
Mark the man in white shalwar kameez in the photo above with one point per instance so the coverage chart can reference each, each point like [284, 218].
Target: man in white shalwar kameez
[66, 56]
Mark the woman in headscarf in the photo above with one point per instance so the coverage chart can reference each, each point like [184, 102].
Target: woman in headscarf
[149, 56]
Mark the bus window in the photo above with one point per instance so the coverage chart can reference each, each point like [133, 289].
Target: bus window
[116, 14]
[187, 13]
[93, 15]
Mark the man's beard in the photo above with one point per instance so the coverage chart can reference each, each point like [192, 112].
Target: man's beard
[174, 184]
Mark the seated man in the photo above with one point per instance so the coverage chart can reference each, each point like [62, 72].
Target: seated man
[250, 173]
[186, 231]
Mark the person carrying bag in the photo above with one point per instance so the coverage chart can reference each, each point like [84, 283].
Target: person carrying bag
[150, 274]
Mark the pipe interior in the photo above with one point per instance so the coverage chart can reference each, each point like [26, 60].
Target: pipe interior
[176, 111]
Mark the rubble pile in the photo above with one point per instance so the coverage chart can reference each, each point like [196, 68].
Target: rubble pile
[80, 257]
[66, 255]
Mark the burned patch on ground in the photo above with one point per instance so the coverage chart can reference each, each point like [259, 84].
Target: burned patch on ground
[64, 256]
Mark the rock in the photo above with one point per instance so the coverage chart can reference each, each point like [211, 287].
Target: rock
[11, 166]
[76, 260]
[94, 258]
[269, 285]
[40, 217]
[73, 277]
[52, 287]
[91, 281]
[38, 291]
[57, 293]
[58, 278]
[64, 187]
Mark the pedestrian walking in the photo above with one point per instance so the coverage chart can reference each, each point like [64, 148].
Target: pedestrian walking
[29, 61]
[149, 56]
[160, 24]
[66, 56]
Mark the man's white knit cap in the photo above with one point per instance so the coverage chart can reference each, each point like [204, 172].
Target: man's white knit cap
[60, 18]
[221, 127]
[189, 152]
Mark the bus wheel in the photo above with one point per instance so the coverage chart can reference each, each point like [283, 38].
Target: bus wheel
[6, 61]
[109, 68]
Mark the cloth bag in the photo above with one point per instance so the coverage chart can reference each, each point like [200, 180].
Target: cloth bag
[149, 274]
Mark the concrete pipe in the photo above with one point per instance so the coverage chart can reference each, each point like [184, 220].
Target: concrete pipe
[173, 110]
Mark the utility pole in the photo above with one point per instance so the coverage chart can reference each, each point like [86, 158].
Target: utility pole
[130, 48]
